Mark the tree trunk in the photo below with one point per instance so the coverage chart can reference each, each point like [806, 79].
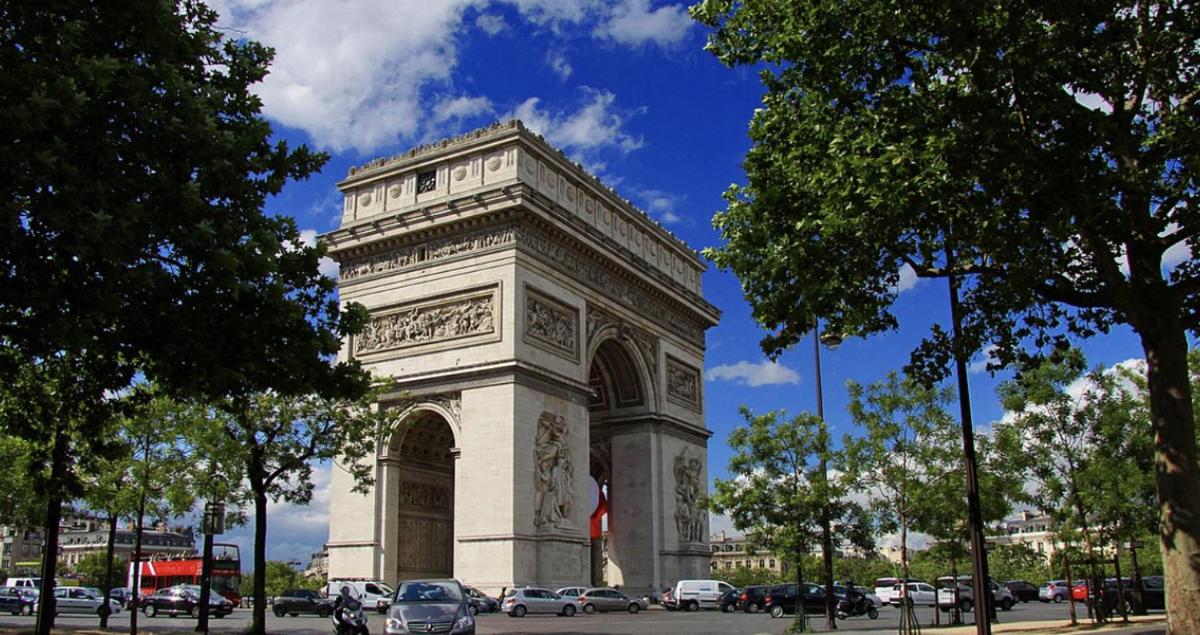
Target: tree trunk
[258, 622]
[58, 469]
[108, 567]
[801, 625]
[1177, 477]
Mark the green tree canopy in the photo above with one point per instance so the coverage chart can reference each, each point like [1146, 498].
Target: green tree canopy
[1043, 154]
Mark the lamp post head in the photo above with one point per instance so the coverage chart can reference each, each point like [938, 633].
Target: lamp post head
[830, 340]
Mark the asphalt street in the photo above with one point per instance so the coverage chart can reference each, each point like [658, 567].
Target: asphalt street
[655, 621]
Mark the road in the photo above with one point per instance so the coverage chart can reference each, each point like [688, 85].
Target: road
[654, 621]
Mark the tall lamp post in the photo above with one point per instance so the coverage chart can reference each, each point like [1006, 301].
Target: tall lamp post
[831, 341]
[213, 523]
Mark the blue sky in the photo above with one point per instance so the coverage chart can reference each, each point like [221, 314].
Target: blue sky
[625, 88]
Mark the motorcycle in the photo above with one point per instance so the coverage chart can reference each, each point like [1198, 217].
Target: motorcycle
[858, 606]
[349, 619]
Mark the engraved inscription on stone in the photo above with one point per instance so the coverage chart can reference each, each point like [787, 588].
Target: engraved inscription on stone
[429, 322]
[689, 518]
[554, 475]
[553, 325]
[424, 495]
[683, 382]
[423, 544]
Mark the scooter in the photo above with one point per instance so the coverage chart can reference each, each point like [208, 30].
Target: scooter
[853, 608]
[349, 619]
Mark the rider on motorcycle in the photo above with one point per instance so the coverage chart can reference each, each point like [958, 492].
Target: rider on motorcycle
[854, 597]
[344, 601]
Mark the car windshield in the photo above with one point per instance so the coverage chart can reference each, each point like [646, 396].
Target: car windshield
[424, 592]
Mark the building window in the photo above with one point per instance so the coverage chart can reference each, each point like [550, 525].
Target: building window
[713, 565]
[728, 564]
[772, 563]
[426, 181]
[728, 548]
[762, 564]
[1041, 548]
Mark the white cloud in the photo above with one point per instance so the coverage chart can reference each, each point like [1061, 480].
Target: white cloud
[663, 205]
[1091, 101]
[982, 360]
[559, 63]
[294, 532]
[350, 74]
[597, 124]
[908, 279]
[490, 23]
[634, 23]
[327, 266]
[460, 108]
[555, 12]
[764, 373]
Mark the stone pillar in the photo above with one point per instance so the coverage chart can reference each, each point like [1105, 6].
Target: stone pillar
[635, 513]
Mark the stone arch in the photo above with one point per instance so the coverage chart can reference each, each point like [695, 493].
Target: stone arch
[626, 366]
[444, 407]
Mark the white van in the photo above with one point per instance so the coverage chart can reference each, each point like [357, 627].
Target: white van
[29, 583]
[374, 594]
[693, 595]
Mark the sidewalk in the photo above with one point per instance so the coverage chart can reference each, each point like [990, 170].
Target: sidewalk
[1152, 624]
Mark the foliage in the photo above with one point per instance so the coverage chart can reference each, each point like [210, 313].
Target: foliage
[1018, 562]
[741, 576]
[92, 566]
[863, 571]
[1043, 154]
[17, 507]
[777, 495]
[900, 457]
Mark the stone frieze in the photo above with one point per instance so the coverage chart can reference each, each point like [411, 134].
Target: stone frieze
[428, 323]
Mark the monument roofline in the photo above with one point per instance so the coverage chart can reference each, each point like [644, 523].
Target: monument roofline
[498, 134]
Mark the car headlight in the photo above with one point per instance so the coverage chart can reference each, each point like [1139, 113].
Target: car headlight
[394, 622]
[463, 623]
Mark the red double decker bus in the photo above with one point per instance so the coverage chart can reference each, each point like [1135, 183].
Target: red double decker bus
[162, 572]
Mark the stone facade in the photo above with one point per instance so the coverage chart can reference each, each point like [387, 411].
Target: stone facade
[547, 337]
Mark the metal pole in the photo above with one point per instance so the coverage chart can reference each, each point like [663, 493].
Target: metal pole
[206, 568]
[826, 533]
[983, 591]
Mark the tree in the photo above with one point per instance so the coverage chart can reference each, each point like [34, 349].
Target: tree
[276, 438]
[1045, 155]
[134, 165]
[95, 571]
[777, 496]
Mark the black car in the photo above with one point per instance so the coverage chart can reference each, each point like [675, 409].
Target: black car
[783, 599]
[752, 598]
[1023, 591]
[17, 602]
[728, 600]
[1151, 595]
[178, 601]
[296, 601]
[481, 602]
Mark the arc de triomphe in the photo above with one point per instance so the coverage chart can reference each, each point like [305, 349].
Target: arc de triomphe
[551, 337]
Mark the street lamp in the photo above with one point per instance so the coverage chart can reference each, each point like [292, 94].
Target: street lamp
[831, 340]
[212, 524]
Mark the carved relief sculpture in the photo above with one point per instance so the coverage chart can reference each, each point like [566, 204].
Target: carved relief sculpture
[429, 323]
[554, 473]
[683, 383]
[552, 324]
[689, 519]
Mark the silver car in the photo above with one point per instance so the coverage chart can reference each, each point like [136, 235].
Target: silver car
[520, 602]
[79, 600]
[429, 606]
[605, 599]
[571, 591]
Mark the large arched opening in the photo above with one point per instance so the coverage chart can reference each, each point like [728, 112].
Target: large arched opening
[418, 523]
[619, 380]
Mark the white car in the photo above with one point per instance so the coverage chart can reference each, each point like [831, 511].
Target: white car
[883, 588]
[918, 594]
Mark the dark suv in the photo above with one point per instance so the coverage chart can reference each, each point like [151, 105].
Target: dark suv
[1150, 596]
[752, 598]
[783, 599]
[296, 601]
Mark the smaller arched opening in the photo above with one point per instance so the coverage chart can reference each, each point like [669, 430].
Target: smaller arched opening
[419, 471]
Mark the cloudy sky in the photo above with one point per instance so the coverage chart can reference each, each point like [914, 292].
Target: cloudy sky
[622, 86]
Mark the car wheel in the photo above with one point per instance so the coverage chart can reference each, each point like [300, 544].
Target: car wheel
[322, 611]
[589, 608]
[518, 611]
[280, 611]
[1006, 604]
[27, 609]
[195, 612]
[728, 608]
[965, 606]
[693, 606]
[634, 608]
[873, 613]
[1058, 599]
[777, 611]
[150, 610]
[569, 610]
[752, 607]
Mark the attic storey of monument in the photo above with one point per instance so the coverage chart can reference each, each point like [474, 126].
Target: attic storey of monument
[510, 293]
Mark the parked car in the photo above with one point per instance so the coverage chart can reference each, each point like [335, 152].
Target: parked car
[16, 601]
[122, 595]
[1150, 595]
[839, 592]
[606, 599]
[883, 588]
[522, 601]
[729, 600]
[917, 594]
[296, 601]
[480, 602]
[79, 600]
[369, 592]
[966, 594]
[181, 601]
[784, 598]
[1054, 591]
[1022, 591]
[35, 583]
[1081, 591]
[430, 606]
[751, 598]
[693, 595]
[572, 591]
